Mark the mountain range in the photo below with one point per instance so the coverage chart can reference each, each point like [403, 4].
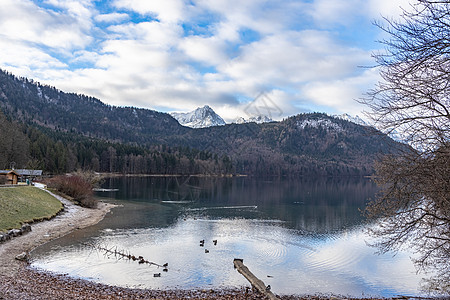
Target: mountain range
[205, 116]
[67, 131]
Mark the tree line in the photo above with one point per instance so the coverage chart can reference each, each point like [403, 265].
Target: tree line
[59, 152]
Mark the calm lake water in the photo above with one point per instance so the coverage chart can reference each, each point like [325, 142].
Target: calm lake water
[302, 236]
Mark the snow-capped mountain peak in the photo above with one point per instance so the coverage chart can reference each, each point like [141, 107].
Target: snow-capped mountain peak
[199, 118]
[256, 119]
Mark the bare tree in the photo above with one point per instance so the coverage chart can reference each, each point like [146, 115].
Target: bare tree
[413, 99]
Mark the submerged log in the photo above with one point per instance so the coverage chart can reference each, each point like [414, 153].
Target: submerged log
[121, 254]
[254, 281]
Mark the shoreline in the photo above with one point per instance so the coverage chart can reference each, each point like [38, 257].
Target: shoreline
[71, 218]
[112, 175]
[20, 281]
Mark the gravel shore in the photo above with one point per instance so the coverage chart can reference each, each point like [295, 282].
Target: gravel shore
[32, 284]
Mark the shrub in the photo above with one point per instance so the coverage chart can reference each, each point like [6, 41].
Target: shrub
[90, 176]
[76, 187]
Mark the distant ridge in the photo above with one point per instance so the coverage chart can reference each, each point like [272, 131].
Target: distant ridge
[255, 119]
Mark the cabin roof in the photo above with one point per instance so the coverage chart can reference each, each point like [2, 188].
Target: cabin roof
[4, 172]
[28, 172]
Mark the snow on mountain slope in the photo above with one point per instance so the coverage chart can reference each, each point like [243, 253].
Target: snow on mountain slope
[200, 118]
[356, 119]
[257, 119]
[395, 135]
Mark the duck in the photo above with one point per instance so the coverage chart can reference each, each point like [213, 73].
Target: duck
[206, 251]
[215, 242]
[157, 275]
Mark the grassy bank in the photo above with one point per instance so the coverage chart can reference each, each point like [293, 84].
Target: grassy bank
[24, 204]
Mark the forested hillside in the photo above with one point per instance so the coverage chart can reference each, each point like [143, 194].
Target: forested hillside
[32, 103]
[61, 132]
[59, 152]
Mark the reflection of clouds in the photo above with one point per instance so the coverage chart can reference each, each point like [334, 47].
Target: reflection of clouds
[336, 263]
[348, 256]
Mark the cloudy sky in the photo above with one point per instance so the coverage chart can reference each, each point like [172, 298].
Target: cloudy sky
[175, 55]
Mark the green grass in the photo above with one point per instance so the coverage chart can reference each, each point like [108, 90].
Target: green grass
[25, 204]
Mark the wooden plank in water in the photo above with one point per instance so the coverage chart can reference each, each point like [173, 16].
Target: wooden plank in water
[254, 281]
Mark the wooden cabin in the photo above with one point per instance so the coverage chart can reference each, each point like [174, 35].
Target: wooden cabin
[28, 174]
[9, 176]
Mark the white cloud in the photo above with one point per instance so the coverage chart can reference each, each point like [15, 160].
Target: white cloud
[210, 51]
[83, 9]
[275, 104]
[290, 59]
[166, 11]
[389, 8]
[14, 53]
[112, 17]
[22, 20]
[332, 12]
[348, 12]
[154, 34]
[339, 95]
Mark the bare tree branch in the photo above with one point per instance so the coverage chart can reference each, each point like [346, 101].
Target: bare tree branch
[413, 207]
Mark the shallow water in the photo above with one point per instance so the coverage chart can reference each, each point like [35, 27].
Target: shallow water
[301, 237]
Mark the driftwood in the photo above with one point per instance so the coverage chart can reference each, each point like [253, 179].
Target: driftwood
[122, 254]
[258, 284]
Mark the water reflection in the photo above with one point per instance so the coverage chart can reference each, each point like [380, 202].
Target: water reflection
[316, 205]
[303, 236]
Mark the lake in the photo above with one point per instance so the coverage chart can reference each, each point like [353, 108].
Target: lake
[303, 236]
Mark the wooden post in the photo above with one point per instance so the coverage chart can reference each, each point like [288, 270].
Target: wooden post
[254, 281]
